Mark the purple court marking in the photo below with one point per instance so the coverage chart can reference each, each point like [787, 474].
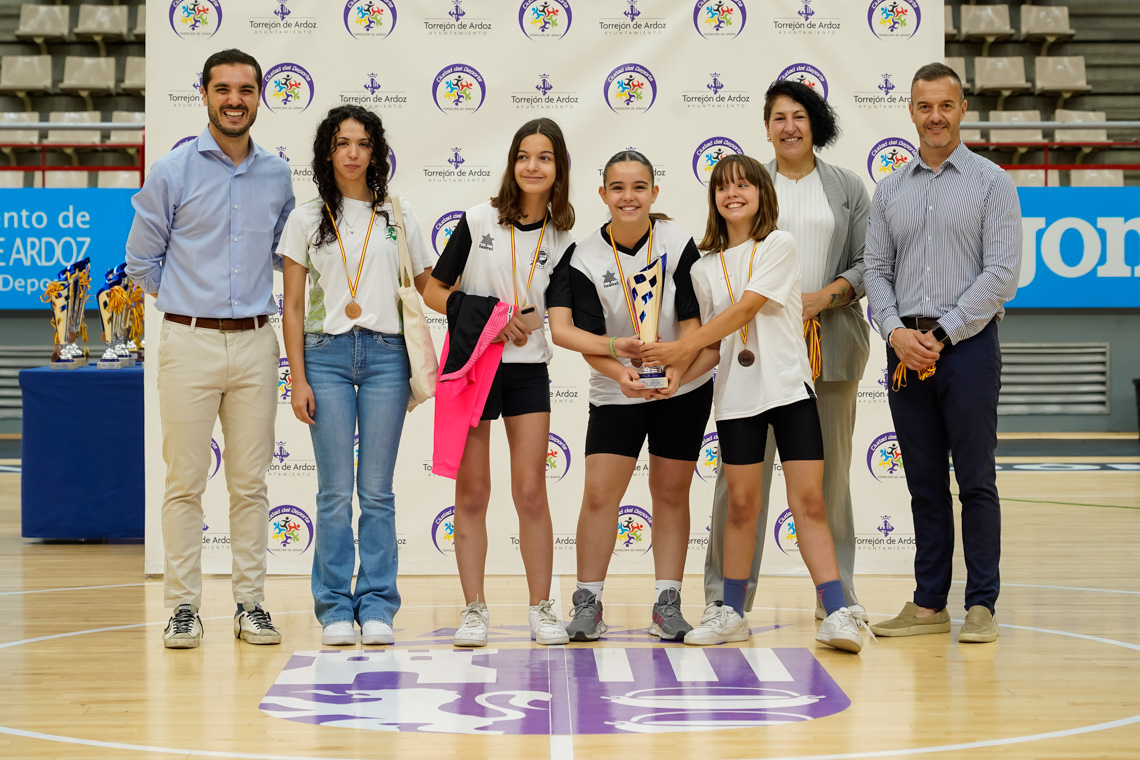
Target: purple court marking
[554, 691]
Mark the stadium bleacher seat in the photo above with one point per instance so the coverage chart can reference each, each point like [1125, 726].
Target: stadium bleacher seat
[65, 180]
[1061, 75]
[985, 22]
[1080, 135]
[86, 76]
[959, 66]
[119, 179]
[972, 135]
[11, 180]
[91, 136]
[127, 135]
[101, 23]
[24, 136]
[1004, 76]
[1015, 135]
[1094, 177]
[134, 77]
[140, 22]
[1035, 177]
[1046, 24]
[951, 32]
[42, 24]
[23, 74]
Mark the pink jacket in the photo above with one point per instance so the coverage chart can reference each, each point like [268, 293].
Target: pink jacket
[461, 395]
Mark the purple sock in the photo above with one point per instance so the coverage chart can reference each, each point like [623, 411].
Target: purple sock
[734, 592]
[831, 596]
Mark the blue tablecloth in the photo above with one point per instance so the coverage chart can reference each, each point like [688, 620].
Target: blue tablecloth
[82, 453]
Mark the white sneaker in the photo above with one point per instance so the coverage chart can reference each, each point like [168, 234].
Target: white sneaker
[719, 624]
[840, 629]
[376, 632]
[473, 623]
[253, 625]
[340, 634]
[184, 631]
[544, 625]
[858, 610]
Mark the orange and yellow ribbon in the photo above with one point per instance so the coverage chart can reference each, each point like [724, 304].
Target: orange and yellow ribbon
[899, 377]
[815, 355]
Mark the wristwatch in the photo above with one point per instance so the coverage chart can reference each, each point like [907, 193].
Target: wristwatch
[940, 335]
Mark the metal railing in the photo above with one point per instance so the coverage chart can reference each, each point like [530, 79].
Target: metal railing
[10, 149]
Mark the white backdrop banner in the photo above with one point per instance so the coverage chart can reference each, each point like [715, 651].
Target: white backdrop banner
[683, 82]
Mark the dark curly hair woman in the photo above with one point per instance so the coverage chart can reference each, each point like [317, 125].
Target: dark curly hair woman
[349, 364]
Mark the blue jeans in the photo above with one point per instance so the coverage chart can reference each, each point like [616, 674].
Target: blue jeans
[359, 381]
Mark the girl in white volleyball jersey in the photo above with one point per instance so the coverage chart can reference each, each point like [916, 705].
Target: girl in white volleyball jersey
[623, 412]
[508, 248]
[747, 283]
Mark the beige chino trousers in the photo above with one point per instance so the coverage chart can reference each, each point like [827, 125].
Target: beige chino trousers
[204, 375]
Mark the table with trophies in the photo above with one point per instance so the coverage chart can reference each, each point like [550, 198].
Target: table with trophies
[82, 468]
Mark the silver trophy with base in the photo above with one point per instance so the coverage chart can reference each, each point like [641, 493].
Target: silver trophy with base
[646, 287]
[113, 303]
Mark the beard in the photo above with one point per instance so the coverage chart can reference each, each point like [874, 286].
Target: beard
[216, 119]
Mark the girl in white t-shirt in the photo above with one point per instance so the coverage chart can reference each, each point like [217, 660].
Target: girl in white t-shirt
[623, 412]
[507, 249]
[349, 365]
[748, 286]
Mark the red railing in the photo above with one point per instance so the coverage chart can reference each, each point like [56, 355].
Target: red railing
[43, 167]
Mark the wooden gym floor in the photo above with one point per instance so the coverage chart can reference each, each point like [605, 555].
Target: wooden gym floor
[84, 673]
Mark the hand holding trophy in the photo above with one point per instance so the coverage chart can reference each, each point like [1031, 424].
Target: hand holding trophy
[646, 286]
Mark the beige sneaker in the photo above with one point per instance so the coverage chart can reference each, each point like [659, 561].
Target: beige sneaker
[908, 623]
[979, 627]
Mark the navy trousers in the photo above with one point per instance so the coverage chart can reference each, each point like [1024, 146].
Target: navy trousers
[953, 412]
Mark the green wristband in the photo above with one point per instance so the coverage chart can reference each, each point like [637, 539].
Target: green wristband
[612, 347]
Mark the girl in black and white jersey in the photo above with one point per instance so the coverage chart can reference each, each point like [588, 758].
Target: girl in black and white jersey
[747, 283]
[508, 248]
[623, 412]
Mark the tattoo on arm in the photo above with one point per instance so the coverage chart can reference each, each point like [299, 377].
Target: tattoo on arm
[840, 298]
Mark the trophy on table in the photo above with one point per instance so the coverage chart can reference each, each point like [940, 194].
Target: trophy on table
[113, 313]
[67, 296]
[646, 287]
[136, 308]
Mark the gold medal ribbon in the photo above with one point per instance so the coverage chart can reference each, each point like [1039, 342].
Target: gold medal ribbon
[621, 273]
[352, 284]
[815, 354]
[898, 379]
[533, 264]
[731, 297]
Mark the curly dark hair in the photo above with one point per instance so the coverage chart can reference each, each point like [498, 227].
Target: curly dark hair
[824, 121]
[376, 174]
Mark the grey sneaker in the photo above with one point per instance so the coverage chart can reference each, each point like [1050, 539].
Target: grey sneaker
[668, 623]
[184, 631]
[586, 622]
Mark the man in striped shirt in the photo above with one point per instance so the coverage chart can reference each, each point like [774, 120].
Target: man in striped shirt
[943, 255]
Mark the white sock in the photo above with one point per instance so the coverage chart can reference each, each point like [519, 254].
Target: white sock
[593, 588]
[660, 586]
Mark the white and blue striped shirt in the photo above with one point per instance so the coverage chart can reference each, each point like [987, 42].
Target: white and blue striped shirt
[944, 244]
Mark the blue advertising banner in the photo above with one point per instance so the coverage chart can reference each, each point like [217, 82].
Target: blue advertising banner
[43, 231]
[1081, 248]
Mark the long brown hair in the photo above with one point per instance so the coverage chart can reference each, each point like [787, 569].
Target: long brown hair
[509, 199]
[732, 169]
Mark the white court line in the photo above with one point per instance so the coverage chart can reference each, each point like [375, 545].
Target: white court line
[766, 665]
[567, 746]
[690, 664]
[613, 665]
[76, 588]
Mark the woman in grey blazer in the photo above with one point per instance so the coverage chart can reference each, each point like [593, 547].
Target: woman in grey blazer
[826, 207]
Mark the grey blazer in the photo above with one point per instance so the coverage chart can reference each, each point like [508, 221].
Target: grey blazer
[844, 333]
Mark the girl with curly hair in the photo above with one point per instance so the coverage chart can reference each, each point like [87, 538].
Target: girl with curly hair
[349, 365]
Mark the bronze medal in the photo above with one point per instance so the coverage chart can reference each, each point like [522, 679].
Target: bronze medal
[746, 358]
[636, 362]
[352, 311]
[521, 341]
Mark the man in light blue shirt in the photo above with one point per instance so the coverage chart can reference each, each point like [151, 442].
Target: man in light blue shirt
[942, 257]
[207, 222]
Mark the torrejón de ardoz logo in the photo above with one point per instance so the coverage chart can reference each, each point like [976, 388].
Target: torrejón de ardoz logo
[889, 155]
[814, 18]
[452, 18]
[894, 19]
[454, 167]
[371, 92]
[459, 88]
[709, 153]
[370, 19]
[714, 92]
[544, 95]
[630, 88]
[276, 17]
[631, 18]
[287, 88]
[881, 92]
[195, 18]
[290, 530]
[548, 691]
[442, 229]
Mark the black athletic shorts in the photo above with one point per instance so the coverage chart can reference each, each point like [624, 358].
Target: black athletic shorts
[675, 426]
[796, 427]
[518, 389]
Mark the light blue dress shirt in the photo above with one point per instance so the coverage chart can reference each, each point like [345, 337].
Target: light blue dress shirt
[205, 231]
[944, 244]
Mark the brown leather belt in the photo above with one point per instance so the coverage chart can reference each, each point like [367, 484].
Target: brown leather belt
[925, 324]
[222, 325]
